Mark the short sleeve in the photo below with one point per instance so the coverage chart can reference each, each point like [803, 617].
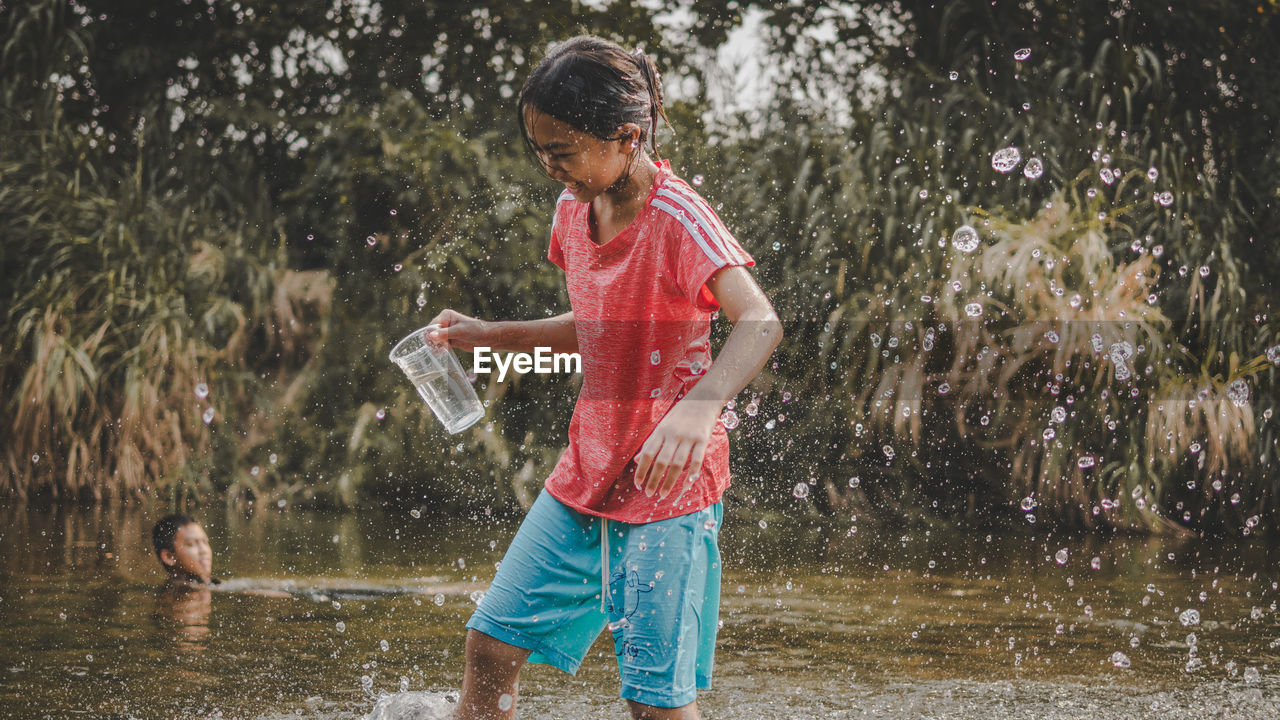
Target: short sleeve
[555, 252]
[700, 244]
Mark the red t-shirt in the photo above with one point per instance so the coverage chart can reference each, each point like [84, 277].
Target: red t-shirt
[643, 317]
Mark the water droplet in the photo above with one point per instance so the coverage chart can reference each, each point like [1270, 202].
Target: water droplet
[1086, 462]
[381, 414]
[763, 524]
[1165, 198]
[371, 241]
[944, 388]
[393, 211]
[341, 626]
[1204, 271]
[1033, 169]
[35, 458]
[771, 424]
[1273, 354]
[1006, 159]
[1252, 676]
[965, 239]
[655, 392]
[801, 490]
[709, 524]
[310, 238]
[752, 409]
[1153, 173]
[1238, 393]
[1028, 504]
[1189, 617]
[1058, 414]
[888, 452]
[953, 75]
[729, 419]
[476, 596]
[1022, 54]
[1107, 175]
[855, 481]
[655, 357]
[438, 599]
[281, 503]
[422, 300]
[924, 194]
[207, 417]
[1095, 563]
[397, 267]
[255, 470]
[1061, 556]
[1048, 434]
[505, 702]
[272, 458]
[698, 179]
[202, 390]
[384, 645]
[416, 513]
[1120, 660]
[973, 309]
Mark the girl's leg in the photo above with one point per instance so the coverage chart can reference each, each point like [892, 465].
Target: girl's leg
[490, 681]
[649, 712]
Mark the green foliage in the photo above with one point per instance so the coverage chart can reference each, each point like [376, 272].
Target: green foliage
[264, 197]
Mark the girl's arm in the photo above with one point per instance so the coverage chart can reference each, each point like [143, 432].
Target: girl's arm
[460, 331]
[684, 433]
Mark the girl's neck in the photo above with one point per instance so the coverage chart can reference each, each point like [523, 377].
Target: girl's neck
[633, 191]
[613, 210]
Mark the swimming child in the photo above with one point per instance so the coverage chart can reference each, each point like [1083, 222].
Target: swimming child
[625, 534]
[183, 549]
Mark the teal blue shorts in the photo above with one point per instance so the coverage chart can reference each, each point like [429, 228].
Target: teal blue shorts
[662, 606]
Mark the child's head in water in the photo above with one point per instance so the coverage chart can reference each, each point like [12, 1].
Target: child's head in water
[590, 111]
[183, 548]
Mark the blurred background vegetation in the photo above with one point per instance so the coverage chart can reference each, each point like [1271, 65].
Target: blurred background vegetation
[220, 216]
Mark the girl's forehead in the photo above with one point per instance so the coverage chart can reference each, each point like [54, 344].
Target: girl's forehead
[547, 131]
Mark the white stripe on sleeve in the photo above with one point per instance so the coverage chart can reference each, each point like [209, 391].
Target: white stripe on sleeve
[698, 208]
[695, 230]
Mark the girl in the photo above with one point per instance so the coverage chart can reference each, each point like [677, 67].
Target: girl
[624, 535]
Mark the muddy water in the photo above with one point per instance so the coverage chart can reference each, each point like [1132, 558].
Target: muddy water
[321, 614]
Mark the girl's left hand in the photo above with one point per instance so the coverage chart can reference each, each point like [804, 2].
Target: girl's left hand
[680, 438]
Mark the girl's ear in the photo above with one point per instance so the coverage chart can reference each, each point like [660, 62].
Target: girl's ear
[168, 558]
[631, 134]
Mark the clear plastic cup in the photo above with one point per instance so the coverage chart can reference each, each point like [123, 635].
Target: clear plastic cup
[435, 371]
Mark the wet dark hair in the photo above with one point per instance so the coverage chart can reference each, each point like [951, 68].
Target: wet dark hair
[166, 530]
[596, 86]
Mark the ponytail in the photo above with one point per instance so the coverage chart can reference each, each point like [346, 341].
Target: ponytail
[650, 74]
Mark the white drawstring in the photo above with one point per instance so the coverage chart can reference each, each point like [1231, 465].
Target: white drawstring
[604, 562]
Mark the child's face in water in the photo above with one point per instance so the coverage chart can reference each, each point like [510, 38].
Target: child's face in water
[587, 165]
[191, 557]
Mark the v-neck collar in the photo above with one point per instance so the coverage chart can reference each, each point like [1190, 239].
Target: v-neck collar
[626, 235]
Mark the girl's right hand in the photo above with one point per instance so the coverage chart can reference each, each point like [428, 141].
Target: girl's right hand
[460, 331]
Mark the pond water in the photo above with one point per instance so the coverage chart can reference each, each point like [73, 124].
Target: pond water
[321, 614]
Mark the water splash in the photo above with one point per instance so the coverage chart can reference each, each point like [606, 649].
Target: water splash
[1033, 169]
[1006, 159]
[414, 706]
[965, 239]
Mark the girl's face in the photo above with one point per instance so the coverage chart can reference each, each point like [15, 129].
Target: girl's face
[587, 165]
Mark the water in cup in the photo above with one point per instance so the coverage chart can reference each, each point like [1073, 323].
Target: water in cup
[438, 376]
